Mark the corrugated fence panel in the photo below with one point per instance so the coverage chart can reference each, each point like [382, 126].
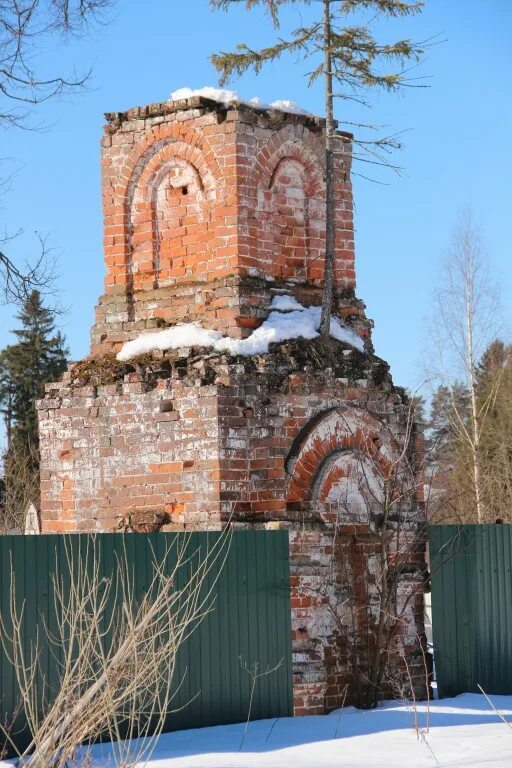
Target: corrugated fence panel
[472, 607]
[247, 627]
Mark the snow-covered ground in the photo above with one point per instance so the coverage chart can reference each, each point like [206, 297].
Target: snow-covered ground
[464, 732]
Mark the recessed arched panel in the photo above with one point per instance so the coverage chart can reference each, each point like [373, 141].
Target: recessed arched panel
[342, 452]
[349, 485]
[169, 209]
[290, 209]
[288, 218]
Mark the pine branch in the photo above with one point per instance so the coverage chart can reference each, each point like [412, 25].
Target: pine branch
[244, 58]
[391, 8]
[271, 6]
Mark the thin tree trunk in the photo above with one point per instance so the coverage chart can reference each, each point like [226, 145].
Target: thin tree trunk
[328, 289]
[475, 426]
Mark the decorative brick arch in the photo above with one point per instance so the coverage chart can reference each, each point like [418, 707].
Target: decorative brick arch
[195, 146]
[137, 175]
[290, 203]
[153, 163]
[321, 449]
[168, 194]
[298, 145]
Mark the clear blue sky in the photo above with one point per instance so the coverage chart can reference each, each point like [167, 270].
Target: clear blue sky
[457, 151]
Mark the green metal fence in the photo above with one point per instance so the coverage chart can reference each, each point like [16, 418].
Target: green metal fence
[249, 620]
[472, 607]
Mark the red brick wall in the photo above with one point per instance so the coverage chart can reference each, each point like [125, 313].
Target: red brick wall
[251, 448]
[199, 201]
[110, 451]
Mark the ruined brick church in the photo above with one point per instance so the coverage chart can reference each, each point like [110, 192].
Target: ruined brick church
[211, 211]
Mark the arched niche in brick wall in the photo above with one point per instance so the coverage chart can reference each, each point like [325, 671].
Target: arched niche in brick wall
[169, 205]
[337, 465]
[290, 209]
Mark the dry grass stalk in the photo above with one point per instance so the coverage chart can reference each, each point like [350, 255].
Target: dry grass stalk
[255, 674]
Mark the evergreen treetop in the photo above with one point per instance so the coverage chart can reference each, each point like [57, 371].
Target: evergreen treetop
[358, 61]
[349, 60]
[38, 356]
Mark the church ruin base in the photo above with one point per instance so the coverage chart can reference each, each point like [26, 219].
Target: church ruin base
[190, 440]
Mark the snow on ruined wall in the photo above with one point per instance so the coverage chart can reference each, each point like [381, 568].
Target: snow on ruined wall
[227, 97]
[287, 320]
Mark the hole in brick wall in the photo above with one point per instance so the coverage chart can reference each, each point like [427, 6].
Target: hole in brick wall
[166, 406]
[184, 190]
[188, 464]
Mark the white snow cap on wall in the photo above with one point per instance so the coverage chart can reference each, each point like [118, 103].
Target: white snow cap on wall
[228, 97]
[287, 320]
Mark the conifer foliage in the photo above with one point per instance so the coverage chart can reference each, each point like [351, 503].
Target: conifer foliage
[350, 61]
[38, 356]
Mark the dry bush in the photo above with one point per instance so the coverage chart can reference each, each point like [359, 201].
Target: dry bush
[21, 486]
[115, 655]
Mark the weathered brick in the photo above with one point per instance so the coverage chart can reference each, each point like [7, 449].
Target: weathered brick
[205, 219]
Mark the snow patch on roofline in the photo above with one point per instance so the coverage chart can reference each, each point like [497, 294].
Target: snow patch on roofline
[225, 96]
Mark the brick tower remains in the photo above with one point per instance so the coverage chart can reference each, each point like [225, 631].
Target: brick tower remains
[215, 214]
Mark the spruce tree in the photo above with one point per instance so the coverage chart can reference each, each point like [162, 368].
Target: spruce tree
[38, 356]
[351, 62]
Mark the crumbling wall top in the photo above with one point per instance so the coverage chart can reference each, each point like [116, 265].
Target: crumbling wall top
[241, 111]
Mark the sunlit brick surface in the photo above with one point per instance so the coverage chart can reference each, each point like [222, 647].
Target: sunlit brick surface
[209, 213]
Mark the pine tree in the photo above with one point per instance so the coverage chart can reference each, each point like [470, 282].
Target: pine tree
[494, 393]
[350, 59]
[449, 423]
[449, 465]
[494, 359]
[447, 404]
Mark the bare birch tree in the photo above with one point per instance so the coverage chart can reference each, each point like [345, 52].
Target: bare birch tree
[463, 323]
[350, 62]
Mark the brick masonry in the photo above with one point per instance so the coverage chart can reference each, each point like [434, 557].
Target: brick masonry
[209, 211]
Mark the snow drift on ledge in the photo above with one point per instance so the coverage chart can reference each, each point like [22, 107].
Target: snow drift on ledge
[287, 320]
[228, 97]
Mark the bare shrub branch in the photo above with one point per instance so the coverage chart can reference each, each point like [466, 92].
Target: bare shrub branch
[115, 656]
[20, 486]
